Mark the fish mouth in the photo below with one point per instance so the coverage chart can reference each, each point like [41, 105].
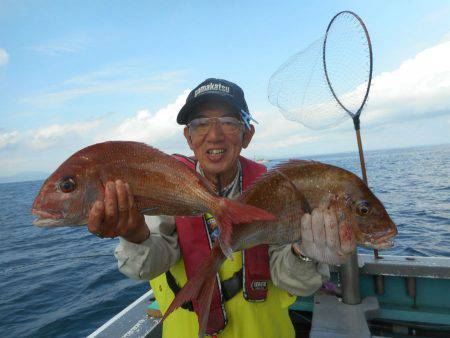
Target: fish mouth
[383, 242]
[386, 244]
[47, 219]
[56, 219]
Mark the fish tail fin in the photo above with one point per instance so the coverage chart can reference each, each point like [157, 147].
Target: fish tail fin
[232, 212]
[199, 289]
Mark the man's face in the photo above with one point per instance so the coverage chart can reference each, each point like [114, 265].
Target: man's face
[217, 150]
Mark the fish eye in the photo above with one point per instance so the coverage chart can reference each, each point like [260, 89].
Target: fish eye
[67, 184]
[363, 208]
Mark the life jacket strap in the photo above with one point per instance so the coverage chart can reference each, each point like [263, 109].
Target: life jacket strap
[173, 285]
[230, 287]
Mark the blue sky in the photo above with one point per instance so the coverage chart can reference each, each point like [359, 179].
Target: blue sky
[75, 73]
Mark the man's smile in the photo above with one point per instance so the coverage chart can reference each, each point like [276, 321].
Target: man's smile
[216, 154]
[216, 151]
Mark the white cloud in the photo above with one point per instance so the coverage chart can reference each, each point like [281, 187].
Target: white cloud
[48, 137]
[54, 143]
[117, 78]
[278, 135]
[419, 88]
[117, 86]
[4, 57]
[289, 141]
[60, 46]
[57, 134]
[158, 129]
[9, 138]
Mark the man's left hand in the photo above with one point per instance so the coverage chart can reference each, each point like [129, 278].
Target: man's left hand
[324, 238]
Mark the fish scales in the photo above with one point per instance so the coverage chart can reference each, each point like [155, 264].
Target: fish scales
[146, 170]
[282, 200]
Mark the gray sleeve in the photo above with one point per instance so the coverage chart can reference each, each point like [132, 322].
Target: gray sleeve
[155, 255]
[290, 273]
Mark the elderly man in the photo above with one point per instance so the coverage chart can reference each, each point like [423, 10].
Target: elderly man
[257, 286]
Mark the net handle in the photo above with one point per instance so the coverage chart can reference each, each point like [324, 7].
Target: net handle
[355, 116]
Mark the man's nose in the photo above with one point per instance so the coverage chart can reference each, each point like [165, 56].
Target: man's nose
[215, 132]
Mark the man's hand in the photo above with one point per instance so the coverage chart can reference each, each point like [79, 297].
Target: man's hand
[117, 215]
[324, 238]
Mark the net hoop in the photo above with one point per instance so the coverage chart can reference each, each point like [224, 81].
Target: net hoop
[355, 116]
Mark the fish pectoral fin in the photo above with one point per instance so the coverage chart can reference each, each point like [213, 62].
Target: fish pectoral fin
[226, 249]
[300, 197]
[328, 201]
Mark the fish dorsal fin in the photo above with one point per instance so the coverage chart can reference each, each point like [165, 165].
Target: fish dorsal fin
[291, 164]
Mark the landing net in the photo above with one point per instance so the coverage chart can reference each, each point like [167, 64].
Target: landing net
[329, 80]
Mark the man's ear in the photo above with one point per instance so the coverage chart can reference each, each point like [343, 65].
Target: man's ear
[188, 137]
[248, 134]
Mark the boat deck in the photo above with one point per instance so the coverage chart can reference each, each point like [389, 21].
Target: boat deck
[402, 297]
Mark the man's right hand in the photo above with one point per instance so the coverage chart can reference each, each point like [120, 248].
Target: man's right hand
[117, 215]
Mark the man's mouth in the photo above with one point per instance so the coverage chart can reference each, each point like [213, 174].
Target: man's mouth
[215, 151]
[215, 154]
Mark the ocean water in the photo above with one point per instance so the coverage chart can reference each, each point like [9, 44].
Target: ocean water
[64, 282]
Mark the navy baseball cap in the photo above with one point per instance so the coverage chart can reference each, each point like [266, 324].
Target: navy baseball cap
[215, 90]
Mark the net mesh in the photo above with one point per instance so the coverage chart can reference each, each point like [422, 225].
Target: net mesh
[300, 89]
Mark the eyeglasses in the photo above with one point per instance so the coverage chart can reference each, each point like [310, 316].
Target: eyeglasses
[202, 126]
